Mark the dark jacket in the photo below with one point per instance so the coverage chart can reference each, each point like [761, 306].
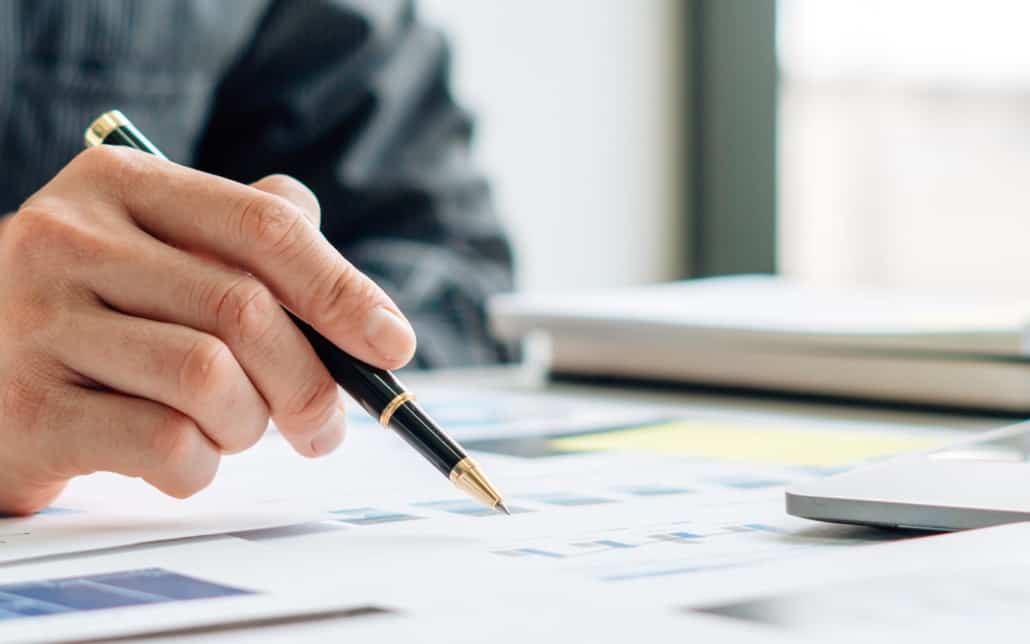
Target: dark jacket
[350, 97]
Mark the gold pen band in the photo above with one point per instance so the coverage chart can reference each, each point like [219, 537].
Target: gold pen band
[395, 404]
[106, 123]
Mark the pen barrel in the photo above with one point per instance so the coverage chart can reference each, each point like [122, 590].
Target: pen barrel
[415, 426]
[112, 128]
[130, 137]
[373, 388]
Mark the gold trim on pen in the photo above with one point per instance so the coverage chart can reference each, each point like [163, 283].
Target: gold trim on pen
[395, 404]
[467, 476]
[106, 123]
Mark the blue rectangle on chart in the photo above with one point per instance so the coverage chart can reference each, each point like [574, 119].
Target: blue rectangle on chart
[569, 500]
[53, 510]
[159, 583]
[527, 552]
[655, 490]
[372, 516]
[79, 594]
[111, 590]
[14, 606]
[468, 508]
[752, 484]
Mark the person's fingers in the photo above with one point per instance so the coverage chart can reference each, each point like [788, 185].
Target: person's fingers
[89, 431]
[173, 286]
[301, 196]
[296, 192]
[266, 235]
[180, 367]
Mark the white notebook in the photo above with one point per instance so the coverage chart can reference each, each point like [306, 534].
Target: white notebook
[951, 349]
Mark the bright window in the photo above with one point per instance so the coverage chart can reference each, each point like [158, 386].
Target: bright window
[904, 142]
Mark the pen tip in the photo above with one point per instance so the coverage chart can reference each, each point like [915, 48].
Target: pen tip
[503, 508]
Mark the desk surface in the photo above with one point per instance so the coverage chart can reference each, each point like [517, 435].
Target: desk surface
[529, 380]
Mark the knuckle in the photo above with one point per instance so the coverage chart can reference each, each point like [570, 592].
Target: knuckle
[37, 225]
[173, 445]
[271, 224]
[22, 229]
[39, 315]
[288, 187]
[343, 297]
[23, 401]
[20, 244]
[114, 165]
[204, 369]
[46, 227]
[280, 183]
[116, 171]
[246, 311]
[203, 476]
[246, 438]
[313, 402]
[177, 451]
[174, 441]
[187, 486]
[27, 401]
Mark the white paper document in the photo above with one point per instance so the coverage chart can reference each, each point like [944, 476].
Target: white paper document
[969, 586]
[373, 588]
[107, 510]
[176, 588]
[615, 510]
[611, 520]
[623, 516]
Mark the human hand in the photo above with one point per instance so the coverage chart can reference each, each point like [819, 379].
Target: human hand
[142, 329]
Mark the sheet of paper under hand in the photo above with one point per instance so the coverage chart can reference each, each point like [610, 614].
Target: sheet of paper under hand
[106, 510]
[271, 486]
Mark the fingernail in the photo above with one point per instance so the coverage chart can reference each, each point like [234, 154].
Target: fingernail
[390, 335]
[331, 435]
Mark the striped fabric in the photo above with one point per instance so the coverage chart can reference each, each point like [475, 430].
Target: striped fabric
[350, 97]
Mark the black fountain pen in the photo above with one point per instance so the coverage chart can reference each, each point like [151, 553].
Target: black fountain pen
[377, 390]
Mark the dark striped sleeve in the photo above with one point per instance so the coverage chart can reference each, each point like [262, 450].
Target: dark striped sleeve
[353, 99]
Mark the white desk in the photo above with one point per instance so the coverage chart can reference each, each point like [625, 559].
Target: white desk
[530, 380]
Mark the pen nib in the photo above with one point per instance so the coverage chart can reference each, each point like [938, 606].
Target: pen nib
[471, 480]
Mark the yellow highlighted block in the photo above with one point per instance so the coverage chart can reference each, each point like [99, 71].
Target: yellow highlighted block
[752, 443]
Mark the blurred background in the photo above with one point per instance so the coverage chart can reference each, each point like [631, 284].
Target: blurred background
[854, 142]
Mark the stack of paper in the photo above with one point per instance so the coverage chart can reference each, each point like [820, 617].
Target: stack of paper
[770, 333]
